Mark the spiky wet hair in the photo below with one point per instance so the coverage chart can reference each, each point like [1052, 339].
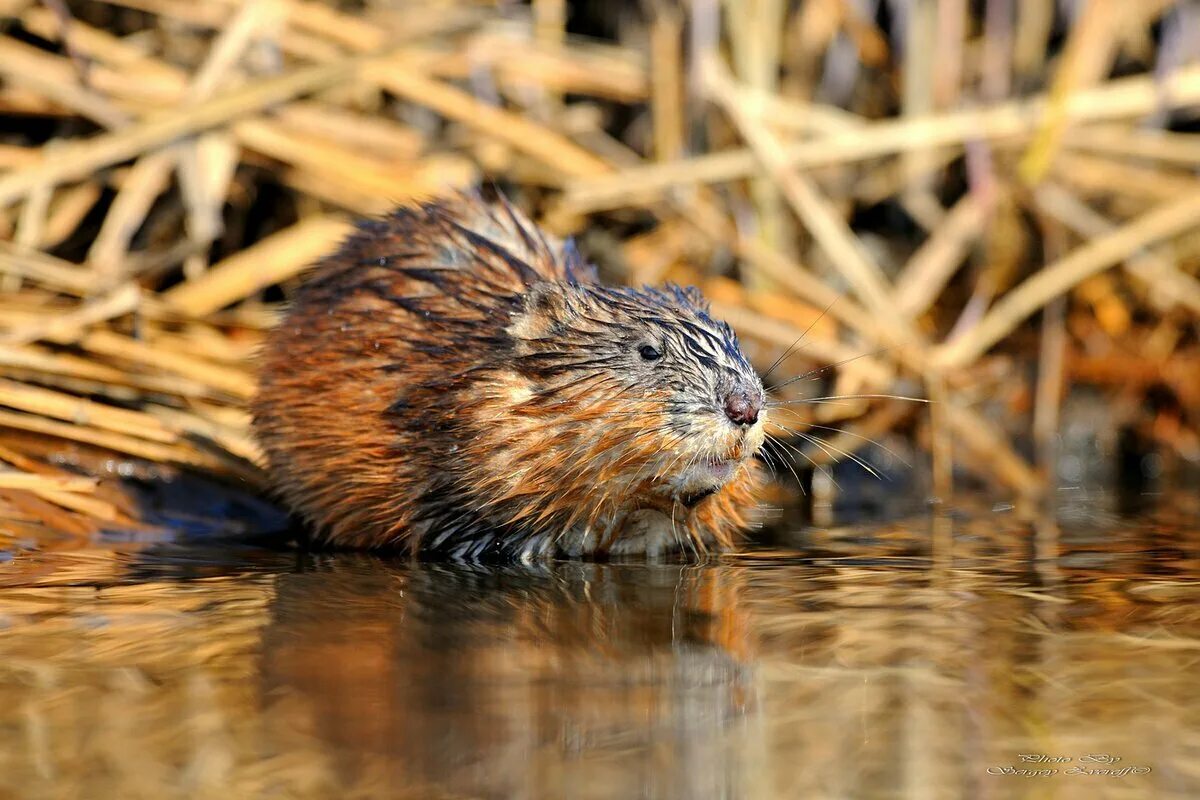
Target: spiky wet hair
[457, 381]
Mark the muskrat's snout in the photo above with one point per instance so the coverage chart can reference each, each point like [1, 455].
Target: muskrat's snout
[742, 406]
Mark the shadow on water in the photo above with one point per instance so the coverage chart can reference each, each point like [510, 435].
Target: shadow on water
[863, 668]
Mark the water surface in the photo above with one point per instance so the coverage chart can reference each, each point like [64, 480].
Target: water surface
[864, 663]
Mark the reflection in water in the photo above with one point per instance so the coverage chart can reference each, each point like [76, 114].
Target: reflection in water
[520, 682]
[859, 671]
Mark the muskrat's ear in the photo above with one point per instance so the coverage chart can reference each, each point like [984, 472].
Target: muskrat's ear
[544, 309]
[689, 294]
[546, 298]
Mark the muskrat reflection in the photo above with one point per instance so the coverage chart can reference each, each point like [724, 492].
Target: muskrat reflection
[489, 681]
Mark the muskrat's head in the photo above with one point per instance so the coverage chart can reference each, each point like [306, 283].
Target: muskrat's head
[638, 391]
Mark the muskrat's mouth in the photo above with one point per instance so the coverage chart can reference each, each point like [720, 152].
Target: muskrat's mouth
[719, 467]
[693, 499]
[714, 470]
[704, 478]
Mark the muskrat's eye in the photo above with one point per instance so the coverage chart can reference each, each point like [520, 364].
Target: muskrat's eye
[649, 353]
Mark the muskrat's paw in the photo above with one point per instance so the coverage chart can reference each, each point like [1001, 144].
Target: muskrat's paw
[646, 532]
[576, 543]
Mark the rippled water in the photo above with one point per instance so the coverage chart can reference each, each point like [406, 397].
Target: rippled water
[865, 663]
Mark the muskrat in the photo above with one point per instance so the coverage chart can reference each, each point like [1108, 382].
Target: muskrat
[455, 381]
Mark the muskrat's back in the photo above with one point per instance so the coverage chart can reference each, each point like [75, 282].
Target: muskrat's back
[453, 380]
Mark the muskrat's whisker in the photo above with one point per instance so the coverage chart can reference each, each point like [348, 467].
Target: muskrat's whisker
[788, 463]
[799, 339]
[695, 538]
[875, 442]
[673, 464]
[766, 457]
[826, 447]
[826, 368]
[804, 418]
[698, 546]
[676, 439]
[592, 455]
[783, 461]
[779, 406]
[675, 530]
[843, 431]
[831, 398]
[817, 467]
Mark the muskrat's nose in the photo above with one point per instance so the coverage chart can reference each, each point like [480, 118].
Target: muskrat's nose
[741, 408]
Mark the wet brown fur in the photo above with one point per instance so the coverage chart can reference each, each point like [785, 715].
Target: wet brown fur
[394, 400]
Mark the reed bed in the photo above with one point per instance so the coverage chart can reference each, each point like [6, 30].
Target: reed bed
[991, 212]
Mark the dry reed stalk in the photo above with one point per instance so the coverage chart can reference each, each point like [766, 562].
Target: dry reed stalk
[783, 335]
[102, 151]
[403, 78]
[949, 44]
[377, 137]
[121, 443]
[819, 217]
[1088, 56]
[1155, 271]
[31, 265]
[13, 156]
[203, 180]
[361, 174]
[147, 179]
[32, 218]
[237, 383]
[805, 284]
[917, 93]
[122, 55]
[1150, 145]
[52, 78]
[941, 441]
[52, 517]
[270, 261]
[583, 68]
[91, 507]
[77, 161]
[67, 326]
[988, 446]
[755, 30]
[1123, 98]
[233, 438]
[150, 173]
[1138, 184]
[666, 81]
[11, 479]
[810, 120]
[1014, 468]
[1035, 22]
[83, 412]
[101, 377]
[1049, 391]
[1054, 279]
[928, 270]
[66, 213]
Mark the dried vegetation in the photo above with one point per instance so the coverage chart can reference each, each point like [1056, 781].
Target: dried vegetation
[983, 210]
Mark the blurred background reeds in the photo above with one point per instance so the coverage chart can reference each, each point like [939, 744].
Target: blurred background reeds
[989, 205]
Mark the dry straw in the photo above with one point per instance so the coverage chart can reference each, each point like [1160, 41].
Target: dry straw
[172, 168]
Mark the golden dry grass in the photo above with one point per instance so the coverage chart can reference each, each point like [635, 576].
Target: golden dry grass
[1047, 192]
